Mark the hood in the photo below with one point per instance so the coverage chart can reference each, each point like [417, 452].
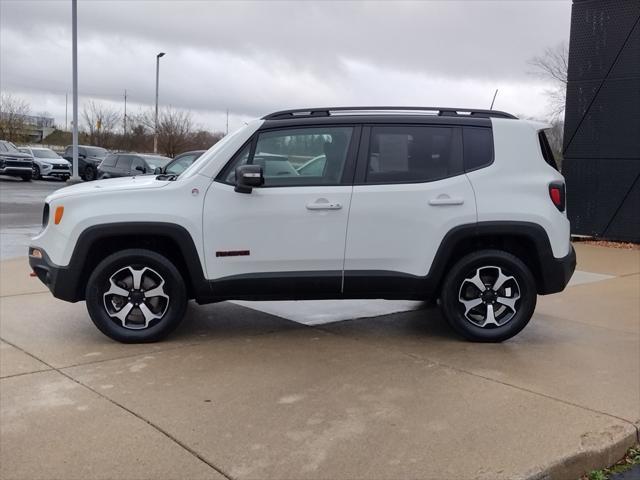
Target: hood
[109, 185]
[53, 161]
[25, 156]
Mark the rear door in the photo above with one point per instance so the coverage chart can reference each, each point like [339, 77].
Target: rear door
[410, 191]
[287, 237]
[123, 166]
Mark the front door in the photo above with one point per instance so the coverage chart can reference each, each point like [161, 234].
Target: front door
[286, 238]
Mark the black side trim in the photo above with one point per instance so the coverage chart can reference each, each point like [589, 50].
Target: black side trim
[65, 282]
[313, 285]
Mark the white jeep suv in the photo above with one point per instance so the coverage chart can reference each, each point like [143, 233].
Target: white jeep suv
[464, 206]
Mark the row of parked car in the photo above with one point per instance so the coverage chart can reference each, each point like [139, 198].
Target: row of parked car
[93, 162]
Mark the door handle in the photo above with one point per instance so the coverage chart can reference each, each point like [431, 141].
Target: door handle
[446, 200]
[323, 204]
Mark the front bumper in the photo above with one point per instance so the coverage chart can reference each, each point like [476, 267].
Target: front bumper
[556, 273]
[61, 281]
[58, 172]
[15, 171]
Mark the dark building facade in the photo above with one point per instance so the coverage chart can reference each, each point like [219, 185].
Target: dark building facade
[602, 120]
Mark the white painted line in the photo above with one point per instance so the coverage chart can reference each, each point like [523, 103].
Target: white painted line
[317, 312]
[581, 277]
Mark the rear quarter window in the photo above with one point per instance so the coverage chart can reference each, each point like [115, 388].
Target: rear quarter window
[546, 150]
[477, 147]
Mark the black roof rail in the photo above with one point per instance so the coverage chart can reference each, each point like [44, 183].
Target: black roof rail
[439, 111]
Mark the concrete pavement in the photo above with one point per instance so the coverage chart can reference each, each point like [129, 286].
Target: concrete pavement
[240, 393]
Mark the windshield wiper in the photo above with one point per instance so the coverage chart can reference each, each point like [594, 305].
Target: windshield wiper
[167, 176]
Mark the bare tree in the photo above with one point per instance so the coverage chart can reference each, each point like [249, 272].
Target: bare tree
[101, 122]
[552, 65]
[13, 121]
[175, 129]
[203, 140]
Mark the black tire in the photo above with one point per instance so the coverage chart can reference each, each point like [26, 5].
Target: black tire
[115, 266]
[36, 172]
[26, 178]
[458, 286]
[65, 178]
[89, 174]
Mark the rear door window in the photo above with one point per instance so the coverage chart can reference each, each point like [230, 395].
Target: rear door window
[413, 154]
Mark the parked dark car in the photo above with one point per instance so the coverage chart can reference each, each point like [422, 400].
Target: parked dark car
[15, 163]
[129, 164]
[182, 162]
[88, 160]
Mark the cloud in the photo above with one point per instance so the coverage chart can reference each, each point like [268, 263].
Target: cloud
[256, 57]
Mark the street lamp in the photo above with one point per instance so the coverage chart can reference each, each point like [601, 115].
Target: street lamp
[155, 133]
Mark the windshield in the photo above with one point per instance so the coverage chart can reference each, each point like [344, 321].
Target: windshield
[45, 153]
[96, 151]
[178, 166]
[155, 162]
[10, 147]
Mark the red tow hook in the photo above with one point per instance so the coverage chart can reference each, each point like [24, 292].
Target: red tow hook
[33, 274]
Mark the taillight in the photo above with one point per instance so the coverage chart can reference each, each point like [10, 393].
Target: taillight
[557, 195]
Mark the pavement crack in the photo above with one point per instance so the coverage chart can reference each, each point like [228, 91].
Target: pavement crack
[428, 360]
[131, 412]
[25, 373]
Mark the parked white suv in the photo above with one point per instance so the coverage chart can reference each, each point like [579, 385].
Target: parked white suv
[465, 206]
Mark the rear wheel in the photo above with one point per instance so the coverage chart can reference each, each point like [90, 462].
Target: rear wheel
[489, 296]
[136, 296]
[89, 173]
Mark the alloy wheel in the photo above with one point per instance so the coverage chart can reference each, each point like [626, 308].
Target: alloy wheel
[136, 297]
[489, 296]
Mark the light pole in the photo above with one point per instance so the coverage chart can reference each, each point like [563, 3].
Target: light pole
[155, 133]
[74, 57]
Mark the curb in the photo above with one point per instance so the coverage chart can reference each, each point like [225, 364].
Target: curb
[611, 446]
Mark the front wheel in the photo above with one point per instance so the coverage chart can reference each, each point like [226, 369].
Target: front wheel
[26, 178]
[136, 296]
[36, 172]
[489, 296]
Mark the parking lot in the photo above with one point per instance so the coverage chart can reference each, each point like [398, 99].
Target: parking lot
[326, 389]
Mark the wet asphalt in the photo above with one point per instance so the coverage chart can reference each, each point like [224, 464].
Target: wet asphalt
[21, 206]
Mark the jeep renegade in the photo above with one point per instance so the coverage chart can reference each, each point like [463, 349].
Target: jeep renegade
[462, 206]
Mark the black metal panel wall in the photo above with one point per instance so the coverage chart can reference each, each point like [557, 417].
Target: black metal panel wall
[602, 120]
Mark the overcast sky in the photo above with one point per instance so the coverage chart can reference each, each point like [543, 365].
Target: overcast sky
[256, 57]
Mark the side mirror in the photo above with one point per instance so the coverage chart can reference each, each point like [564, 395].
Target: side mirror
[248, 177]
[140, 168]
[157, 171]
